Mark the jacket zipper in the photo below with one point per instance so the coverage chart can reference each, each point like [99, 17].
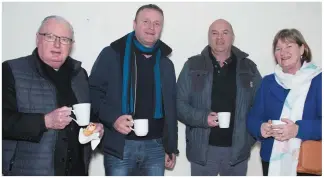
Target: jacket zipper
[54, 90]
[12, 160]
[236, 105]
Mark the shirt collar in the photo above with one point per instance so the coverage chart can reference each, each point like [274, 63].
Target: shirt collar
[214, 60]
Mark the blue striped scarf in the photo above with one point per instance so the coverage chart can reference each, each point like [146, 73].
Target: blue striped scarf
[127, 93]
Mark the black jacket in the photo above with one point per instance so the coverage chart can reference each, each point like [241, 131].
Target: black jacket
[106, 90]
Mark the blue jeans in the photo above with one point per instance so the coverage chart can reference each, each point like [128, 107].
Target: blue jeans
[141, 157]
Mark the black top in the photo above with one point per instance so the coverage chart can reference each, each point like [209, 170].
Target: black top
[144, 106]
[68, 157]
[223, 99]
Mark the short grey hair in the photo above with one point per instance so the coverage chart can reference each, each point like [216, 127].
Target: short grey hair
[58, 18]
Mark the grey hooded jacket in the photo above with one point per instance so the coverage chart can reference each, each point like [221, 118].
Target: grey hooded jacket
[194, 88]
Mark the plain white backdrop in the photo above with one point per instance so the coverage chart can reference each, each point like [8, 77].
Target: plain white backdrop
[186, 24]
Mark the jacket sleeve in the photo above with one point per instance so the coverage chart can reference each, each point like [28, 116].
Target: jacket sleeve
[102, 106]
[187, 114]
[256, 115]
[93, 118]
[311, 129]
[256, 81]
[172, 123]
[17, 125]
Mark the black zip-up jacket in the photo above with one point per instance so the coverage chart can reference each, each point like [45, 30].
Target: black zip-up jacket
[106, 95]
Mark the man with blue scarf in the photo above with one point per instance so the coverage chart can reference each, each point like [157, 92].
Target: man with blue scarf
[134, 79]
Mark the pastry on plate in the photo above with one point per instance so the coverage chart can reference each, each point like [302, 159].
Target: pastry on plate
[90, 129]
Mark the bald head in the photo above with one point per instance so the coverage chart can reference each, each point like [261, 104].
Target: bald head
[221, 23]
[221, 37]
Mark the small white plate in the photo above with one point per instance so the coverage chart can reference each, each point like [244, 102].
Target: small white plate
[94, 138]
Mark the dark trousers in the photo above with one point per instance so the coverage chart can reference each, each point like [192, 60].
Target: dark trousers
[218, 162]
[265, 169]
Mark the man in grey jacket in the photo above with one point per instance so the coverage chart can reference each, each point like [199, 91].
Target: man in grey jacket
[220, 79]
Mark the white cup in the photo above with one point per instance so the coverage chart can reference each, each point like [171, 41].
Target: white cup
[224, 119]
[140, 127]
[277, 122]
[82, 113]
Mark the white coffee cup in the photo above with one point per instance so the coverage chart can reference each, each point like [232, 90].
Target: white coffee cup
[224, 119]
[140, 127]
[277, 122]
[82, 113]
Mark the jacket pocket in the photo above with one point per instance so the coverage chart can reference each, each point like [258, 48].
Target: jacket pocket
[246, 80]
[246, 87]
[198, 80]
[158, 141]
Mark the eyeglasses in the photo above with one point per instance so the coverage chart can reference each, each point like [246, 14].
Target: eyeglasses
[51, 38]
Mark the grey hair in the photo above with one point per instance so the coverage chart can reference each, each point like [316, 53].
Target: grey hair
[58, 18]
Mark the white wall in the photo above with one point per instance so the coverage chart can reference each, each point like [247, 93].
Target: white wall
[98, 24]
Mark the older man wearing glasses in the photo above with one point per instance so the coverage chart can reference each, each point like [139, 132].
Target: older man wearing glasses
[38, 137]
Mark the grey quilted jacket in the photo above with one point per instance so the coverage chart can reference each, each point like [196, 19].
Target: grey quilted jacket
[35, 94]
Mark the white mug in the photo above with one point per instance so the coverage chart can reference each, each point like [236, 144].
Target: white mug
[140, 127]
[224, 119]
[277, 122]
[82, 113]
